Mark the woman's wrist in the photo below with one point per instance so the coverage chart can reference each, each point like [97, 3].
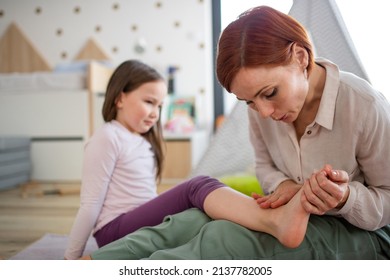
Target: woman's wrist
[344, 199]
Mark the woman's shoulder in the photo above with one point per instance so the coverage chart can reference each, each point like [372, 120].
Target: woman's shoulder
[362, 98]
[359, 88]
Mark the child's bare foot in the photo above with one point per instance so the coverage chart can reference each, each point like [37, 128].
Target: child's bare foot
[292, 222]
[288, 223]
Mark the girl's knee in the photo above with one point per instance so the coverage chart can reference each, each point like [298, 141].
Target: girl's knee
[201, 187]
[203, 181]
[201, 178]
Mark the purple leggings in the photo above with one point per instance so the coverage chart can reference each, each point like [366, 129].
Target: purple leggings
[188, 194]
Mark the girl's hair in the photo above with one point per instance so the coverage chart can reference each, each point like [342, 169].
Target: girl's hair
[127, 77]
[259, 36]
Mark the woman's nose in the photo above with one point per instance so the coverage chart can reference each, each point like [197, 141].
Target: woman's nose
[265, 109]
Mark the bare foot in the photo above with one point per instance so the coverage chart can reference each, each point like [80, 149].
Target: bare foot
[291, 222]
[288, 223]
[88, 258]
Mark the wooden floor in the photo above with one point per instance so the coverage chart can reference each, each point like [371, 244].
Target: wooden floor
[27, 214]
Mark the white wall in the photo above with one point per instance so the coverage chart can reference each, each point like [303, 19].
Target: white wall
[175, 32]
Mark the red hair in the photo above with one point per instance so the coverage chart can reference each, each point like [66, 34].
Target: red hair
[259, 36]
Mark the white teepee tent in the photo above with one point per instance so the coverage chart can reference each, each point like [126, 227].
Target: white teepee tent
[230, 151]
[329, 34]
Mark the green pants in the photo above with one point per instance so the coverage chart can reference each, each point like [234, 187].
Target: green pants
[193, 235]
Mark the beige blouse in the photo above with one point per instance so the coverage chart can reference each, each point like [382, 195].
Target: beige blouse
[351, 132]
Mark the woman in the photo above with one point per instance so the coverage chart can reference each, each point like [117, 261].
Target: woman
[306, 114]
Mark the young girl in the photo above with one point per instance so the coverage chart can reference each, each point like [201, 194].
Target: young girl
[124, 158]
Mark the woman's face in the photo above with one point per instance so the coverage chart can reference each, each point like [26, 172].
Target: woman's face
[278, 92]
[139, 109]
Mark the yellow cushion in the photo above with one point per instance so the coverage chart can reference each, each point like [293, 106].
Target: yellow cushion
[246, 184]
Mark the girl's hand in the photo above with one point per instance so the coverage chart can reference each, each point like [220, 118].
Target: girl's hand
[325, 190]
[283, 193]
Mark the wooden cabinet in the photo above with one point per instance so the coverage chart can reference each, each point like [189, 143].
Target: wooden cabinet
[183, 152]
[177, 159]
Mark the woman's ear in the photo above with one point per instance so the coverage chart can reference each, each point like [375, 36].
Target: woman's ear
[300, 55]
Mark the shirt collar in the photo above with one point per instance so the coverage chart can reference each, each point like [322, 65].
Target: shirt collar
[326, 111]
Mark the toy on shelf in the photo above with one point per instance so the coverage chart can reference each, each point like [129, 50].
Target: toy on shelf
[181, 115]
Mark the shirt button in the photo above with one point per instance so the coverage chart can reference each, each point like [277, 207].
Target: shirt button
[299, 179]
[309, 132]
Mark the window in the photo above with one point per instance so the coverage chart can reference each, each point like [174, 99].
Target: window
[367, 23]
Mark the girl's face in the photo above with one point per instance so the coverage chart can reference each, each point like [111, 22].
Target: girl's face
[139, 110]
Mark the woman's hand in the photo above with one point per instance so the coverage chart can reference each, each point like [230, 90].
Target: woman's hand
[325, 190]
[283, 193]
